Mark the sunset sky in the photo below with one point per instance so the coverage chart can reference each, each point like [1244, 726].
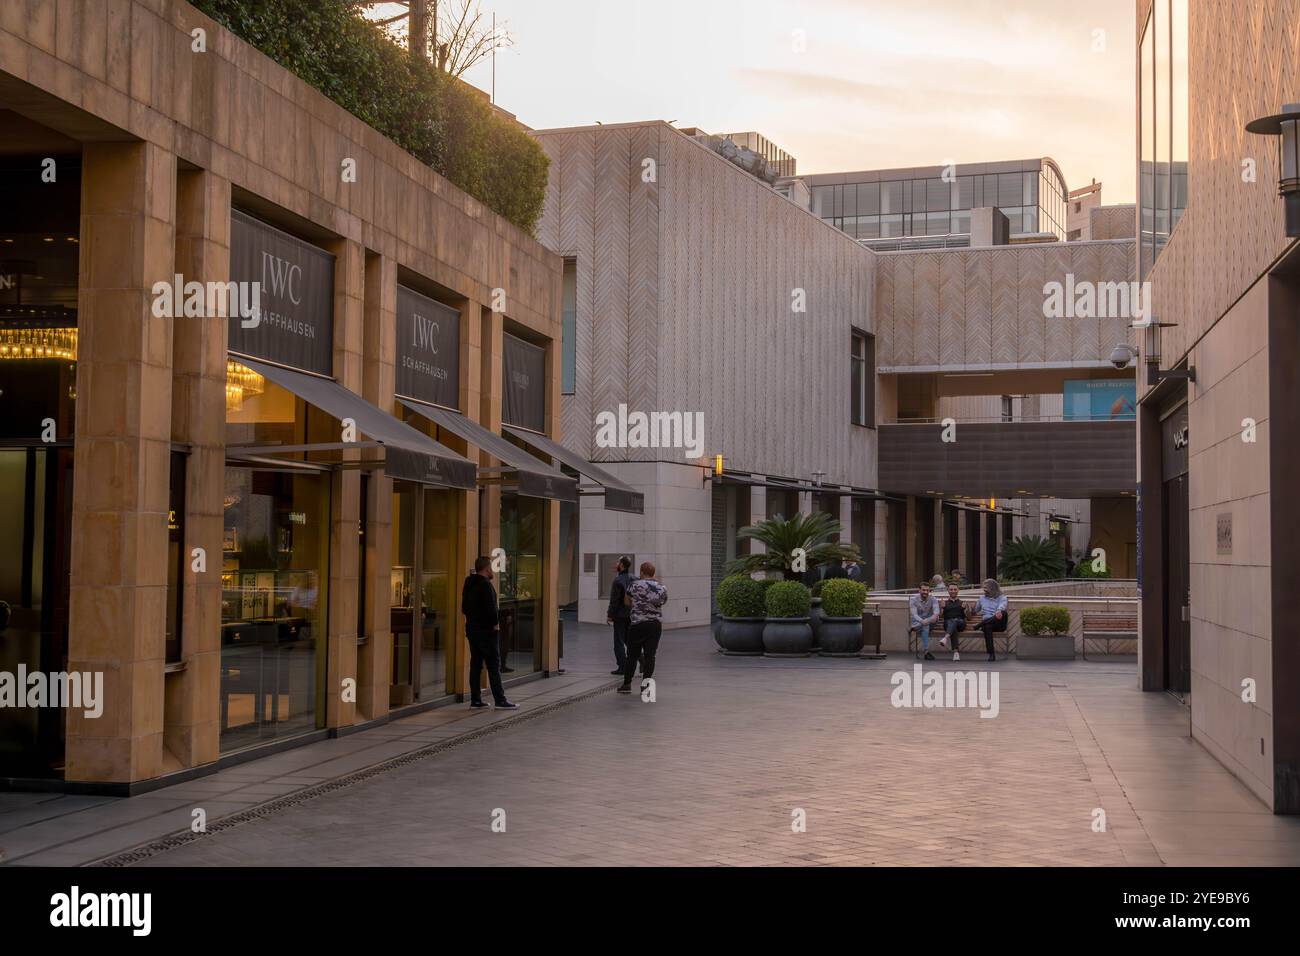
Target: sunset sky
[880, 83]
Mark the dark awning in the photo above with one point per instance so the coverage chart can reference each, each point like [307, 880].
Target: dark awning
[869, 494]
[410, 455]
[536, 478]
[619, 496]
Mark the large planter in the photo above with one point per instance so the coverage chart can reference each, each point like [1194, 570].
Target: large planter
[787, 637]
[841, 637]
[815, 617]
[741, 636]
[1047, 647]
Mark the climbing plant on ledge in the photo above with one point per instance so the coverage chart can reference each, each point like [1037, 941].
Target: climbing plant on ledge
[438, 119]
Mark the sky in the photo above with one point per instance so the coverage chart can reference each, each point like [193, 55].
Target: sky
[840, 84]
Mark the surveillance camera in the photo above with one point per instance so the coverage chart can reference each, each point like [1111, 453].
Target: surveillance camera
[1122, 355]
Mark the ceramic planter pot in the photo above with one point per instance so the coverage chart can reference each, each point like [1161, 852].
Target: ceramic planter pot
[841, 637]
[1055, 647]
[741, 636]
[787, 637]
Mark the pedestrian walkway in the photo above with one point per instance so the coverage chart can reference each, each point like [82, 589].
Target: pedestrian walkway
[731, 754]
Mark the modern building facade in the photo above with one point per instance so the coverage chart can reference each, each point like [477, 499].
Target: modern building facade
[252, 524]
[685, 275]
[692, 287]
[1217, 454]
[930, 207]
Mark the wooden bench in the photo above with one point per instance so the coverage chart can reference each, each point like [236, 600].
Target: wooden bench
[1108, 627]
[972, 630]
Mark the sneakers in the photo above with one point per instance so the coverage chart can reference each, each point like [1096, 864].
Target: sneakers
[505, 705]
[477, 704]
[956, 656]
[943, 642]
[929, 656]
[625, 688]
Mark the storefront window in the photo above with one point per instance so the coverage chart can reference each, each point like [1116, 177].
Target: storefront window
[520, 592]
[401, 583]
[437, 628]
[274, 579]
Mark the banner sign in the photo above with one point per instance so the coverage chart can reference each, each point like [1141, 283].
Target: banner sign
[1100, 400]
[524, 401]
[293, 324]
[428, 469]
[428, 350]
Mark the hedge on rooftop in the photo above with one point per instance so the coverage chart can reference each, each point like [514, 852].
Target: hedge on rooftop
[438, 119]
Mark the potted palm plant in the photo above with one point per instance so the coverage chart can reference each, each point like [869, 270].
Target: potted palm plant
[740, 604]
[1045, 634]
[806, 541]
[1031, 558]
[787, 633]
[841, 629]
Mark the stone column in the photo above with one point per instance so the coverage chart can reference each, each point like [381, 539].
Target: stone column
[475, 368]
[881, 534]
[118, 562]
[757, 513]
[379, 342]
[911, 573]
[345, 488]
[937, 504]
[985, 531]
[971, 573]
[192, 724]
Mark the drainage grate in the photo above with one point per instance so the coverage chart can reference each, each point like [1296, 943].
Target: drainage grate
[280, 804]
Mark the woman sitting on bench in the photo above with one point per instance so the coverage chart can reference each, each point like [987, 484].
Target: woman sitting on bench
[992, 608]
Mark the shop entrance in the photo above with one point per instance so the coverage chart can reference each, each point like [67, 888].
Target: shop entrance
[420, 594]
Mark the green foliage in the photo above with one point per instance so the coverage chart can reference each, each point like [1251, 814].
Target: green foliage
[842, 597]
[1084, 570]
[788, 599]
[1031, 558]
[812, 532]
[436, 118]
[1045, 619]
[741, 596]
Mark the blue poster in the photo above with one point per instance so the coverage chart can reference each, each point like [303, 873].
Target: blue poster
[1100, 400]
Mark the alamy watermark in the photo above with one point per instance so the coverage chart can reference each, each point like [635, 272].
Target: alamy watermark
[624, 429]
[934, 689]
[75, 690]
[1096, 300]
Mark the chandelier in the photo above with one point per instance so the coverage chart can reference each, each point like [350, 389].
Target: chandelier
[38, 344]
[241, 382]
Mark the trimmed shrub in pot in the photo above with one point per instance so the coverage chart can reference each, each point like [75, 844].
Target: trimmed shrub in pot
[1045, 633]
[787, 632]
[841, 630]
[740, 602]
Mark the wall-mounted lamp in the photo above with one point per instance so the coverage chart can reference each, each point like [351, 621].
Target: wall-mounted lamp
[1124, 354]
[1286, 127]
[717, 465]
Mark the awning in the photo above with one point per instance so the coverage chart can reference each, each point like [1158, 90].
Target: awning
[865, 493]
[618, 495]
[409, 454]
[536, 478]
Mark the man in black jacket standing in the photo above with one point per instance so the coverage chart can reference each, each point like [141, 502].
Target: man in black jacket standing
[619, 612]
[478, 602]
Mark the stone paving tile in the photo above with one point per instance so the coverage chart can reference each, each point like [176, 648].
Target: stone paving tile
[710, 773]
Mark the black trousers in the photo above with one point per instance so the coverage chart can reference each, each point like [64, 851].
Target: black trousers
[642, 643]
[953, 626]
[484, 651]
[620, 642]
[989, 626]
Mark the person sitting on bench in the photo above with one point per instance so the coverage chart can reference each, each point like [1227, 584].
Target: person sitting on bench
[923, 608]
[954, 620]
[992, 608]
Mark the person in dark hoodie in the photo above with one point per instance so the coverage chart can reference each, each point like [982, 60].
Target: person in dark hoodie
[619, 614]
[478, 602]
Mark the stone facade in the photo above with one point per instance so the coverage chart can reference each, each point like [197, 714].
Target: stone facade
[170, 137]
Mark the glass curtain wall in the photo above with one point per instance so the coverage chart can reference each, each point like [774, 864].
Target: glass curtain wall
[519, 587]
[1163, 148]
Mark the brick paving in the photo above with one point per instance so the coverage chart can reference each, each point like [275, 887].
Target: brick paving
[711, 773]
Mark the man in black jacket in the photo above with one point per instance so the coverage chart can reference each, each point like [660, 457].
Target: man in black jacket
[478, 602]
[619, 613]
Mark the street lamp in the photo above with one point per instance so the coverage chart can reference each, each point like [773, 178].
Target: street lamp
[1286, 127]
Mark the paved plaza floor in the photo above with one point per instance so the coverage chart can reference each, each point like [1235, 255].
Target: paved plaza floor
[720, 769]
